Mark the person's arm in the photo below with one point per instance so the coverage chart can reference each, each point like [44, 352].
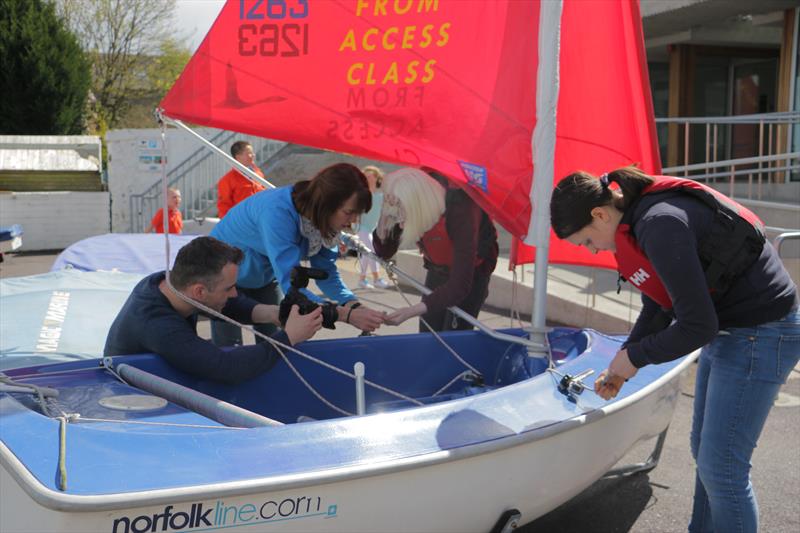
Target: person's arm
[463, 220]
[671, 247]
[157, 222]
[224, 198]
[241, 309]
[651, 319]
[333, 287]
[265, 314]
[176, 341]
[387, 248]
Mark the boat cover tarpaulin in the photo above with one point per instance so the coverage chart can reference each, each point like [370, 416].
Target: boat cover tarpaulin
[59, 316]
[440, 83]
[141, 253]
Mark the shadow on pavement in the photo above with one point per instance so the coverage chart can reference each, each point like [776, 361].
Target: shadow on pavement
[608, 506]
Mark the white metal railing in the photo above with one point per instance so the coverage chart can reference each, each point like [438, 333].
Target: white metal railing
[196, 177]
[768, 167]
[770, 162]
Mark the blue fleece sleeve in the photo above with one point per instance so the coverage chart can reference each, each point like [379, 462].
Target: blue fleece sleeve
[333, 287]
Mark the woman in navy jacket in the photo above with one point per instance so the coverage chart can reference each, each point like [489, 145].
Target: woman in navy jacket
[710, 280]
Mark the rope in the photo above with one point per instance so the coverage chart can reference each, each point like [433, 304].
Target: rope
[34, 389]
[435, 334]
[461, 375]
[62, 453]
[275, 344]
[354, 242]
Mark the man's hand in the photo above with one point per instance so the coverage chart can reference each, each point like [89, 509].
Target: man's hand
[302, 327]
[401, 315]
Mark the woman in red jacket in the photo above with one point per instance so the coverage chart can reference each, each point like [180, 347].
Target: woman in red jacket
[709, 279]
[456, 237]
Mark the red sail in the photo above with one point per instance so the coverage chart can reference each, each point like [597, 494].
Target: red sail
[443, 83]
[448, 84]
[605, 111]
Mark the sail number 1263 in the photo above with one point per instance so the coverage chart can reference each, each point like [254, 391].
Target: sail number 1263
[272, 36]
[273, 9]
[285, 40]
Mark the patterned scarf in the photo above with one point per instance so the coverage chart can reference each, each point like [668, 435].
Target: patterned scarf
[315, 238]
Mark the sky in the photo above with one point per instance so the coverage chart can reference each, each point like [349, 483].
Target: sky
[195, 18]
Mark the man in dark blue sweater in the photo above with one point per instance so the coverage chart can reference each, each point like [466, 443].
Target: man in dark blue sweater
[156, 320]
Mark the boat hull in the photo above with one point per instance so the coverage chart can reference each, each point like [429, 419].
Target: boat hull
[532, 471]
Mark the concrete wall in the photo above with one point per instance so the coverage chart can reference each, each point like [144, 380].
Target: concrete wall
[54, 220]
[132, 168]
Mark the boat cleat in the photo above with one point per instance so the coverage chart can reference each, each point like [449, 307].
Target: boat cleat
[573, 385]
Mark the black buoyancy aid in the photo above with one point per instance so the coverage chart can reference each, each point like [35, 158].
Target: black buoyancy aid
[734, 243]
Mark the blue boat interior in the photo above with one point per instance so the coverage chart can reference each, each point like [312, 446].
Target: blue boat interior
[416, 366]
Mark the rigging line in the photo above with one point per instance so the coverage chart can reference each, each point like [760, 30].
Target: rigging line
[459, 376]
[34, 389]
[275, 343]
[440, 339]
[436, 334]
[355, 243]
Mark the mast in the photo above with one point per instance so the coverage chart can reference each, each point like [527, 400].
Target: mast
[544, 151]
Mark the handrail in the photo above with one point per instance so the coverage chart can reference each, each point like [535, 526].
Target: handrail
[778, 241]
[734, 162]
[766, 118]
[197, 176]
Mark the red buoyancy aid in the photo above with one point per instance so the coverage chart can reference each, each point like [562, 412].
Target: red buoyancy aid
[437, 247]
[733, 244]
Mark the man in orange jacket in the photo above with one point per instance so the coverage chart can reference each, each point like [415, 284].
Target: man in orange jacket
[233, 187]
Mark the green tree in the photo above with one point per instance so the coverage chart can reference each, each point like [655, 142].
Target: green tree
[122, 37]
[165, 67]
[44, 74]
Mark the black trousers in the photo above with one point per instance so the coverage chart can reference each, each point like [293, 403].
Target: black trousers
[445, 320]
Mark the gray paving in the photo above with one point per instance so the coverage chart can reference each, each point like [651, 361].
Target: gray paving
[654, 502]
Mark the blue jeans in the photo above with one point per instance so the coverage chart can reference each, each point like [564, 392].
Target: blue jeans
[739, 375]
[226, 334]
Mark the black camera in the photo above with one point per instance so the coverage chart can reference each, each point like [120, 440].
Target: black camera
[300, 277]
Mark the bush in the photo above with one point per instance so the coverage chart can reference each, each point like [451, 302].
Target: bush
[45, 73]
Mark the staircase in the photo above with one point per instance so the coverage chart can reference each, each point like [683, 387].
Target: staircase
[196, 177]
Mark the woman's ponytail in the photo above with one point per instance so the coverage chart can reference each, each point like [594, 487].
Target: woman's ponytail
[577, 194]
[631, 182]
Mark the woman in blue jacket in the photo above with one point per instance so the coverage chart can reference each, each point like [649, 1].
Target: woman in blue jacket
[278, 228]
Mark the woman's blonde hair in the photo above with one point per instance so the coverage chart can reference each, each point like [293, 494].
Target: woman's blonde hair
[422, 198]
[379, 175]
